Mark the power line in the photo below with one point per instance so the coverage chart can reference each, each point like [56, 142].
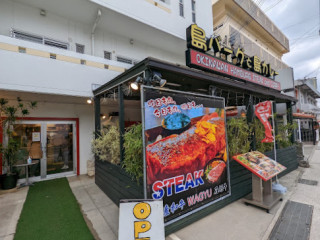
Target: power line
[270, 7]
[305, 20]
[301, 37]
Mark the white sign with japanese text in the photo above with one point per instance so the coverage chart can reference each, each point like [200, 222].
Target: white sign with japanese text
[141, 219]
[36, 137]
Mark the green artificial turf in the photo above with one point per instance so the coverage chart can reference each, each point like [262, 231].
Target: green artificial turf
[51, 212]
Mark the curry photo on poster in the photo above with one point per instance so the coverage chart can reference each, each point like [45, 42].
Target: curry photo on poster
[186, 156]
[261, 165]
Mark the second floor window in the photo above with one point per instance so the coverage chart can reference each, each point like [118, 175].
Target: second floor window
[181, 10]
[193, 7]
[38, 39]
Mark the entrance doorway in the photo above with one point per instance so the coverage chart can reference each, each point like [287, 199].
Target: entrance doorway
[53, 143]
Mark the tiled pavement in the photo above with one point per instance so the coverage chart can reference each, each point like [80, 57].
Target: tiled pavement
[294, 222]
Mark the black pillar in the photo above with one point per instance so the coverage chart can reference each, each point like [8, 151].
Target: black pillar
[97, 120]
[97, 123]
[121, 121]
[313, 132]
[290, 120]
[275, 127]
[250, 120]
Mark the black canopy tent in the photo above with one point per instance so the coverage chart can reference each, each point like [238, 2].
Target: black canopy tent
[182, 78]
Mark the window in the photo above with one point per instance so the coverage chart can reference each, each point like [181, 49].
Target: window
[301, 97]
[26, 36]
[54, 43]
[38, 39]
[124, 60]
[107, 55]
[193, 7]
[181, 11]
[79, 48]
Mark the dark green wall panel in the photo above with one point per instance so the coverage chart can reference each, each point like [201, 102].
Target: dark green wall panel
[117, 184]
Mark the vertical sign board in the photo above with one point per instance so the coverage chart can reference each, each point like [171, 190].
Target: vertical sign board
[186, 162]
[141, 220]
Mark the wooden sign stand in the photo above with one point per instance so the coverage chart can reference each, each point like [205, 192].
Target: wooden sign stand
[262, 195]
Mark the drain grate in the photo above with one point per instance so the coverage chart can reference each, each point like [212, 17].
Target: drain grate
[308, 182]
[294, 222]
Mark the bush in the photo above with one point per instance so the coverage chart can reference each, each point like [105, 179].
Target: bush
[107, 145]
[133, 152]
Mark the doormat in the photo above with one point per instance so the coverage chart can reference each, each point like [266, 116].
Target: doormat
[294, 222]
[308, 182]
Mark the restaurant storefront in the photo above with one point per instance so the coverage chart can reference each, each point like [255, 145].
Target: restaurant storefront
[193, 177]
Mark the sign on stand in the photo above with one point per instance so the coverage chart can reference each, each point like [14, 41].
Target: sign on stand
[141, 220]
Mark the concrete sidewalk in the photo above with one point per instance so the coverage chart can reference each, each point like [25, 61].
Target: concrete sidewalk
[11, 203]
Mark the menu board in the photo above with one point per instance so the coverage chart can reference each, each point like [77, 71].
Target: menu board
[185, 150]
[259, 164]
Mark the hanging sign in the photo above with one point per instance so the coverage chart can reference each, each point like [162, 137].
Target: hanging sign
[141, 220]
[247, 68]
[263, 111]
[185, 150]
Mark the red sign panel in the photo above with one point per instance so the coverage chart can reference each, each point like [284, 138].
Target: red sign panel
[208, 62]
[263, 112]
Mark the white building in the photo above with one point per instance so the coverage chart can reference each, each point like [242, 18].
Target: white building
[56, 52]
[307, 111]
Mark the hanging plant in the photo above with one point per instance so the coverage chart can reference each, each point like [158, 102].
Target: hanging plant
[107, 146]
[238, 132]
[133, 152]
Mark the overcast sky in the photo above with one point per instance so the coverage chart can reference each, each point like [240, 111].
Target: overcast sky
[299, 21]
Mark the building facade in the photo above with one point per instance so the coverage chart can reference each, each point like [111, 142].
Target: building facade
[57, 52]
[306, 110]
[242, 24]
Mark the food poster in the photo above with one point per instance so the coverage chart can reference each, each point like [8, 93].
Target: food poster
[259, 164]
[185, 150]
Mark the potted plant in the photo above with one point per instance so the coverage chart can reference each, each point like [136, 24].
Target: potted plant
[10, 150]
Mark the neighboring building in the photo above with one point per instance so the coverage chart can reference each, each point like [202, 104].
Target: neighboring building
[306, 110]
[242, 24]
[57, 52]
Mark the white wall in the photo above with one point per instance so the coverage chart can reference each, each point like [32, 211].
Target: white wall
[155, 32]
[23, 72]
[145, 12]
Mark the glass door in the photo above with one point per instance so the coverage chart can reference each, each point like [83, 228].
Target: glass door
[52, 143]
[59, 148]
[28, 138]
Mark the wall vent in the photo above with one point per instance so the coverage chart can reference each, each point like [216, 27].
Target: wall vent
[79, 48]
[107, 55]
